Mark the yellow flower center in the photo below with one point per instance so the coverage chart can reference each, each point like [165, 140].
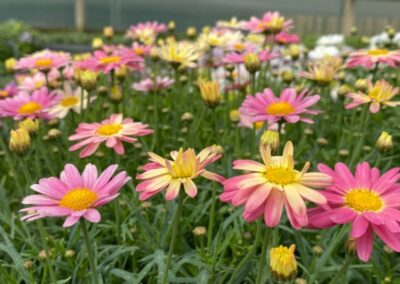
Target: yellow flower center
[29, 108]
[78, 199]
[109, 129]
[139, 51]
[3, 93]
[43, 63]
[184, 165]
[110, 59]
[258, 125]
[362, 200]
[280, 108]
[39, 84]
[377, 52]
[69, 101]
[281, 176]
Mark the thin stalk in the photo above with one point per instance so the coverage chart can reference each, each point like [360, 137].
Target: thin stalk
[248, 256]
[89, 249]
[212, 216]
[262, 257]
[175, 226]
[342, 271]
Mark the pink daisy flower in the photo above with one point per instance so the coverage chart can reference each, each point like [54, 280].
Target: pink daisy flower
[10, 90]
[270, 23]
[153, 84]
[285, 38]
[141, 49]
[44, 60]
[377, 94]
[369, 58]
[146, 30]
[289, 107]
[169, 175]
[31, 83]
[74, 195]
[367, 200]
[113, 131]
[267, 187]
[32, 106]
[106, 62]
[239, 58]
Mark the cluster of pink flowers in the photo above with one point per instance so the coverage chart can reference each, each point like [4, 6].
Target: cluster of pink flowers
[44, 60]
[153, 84]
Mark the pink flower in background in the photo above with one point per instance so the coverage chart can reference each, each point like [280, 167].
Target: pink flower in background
[238, 58]
[31, 83]
[146, 32]
[10, 90]
[44, 60]
[270, 23]
[369, 58]
[285, 38]
[153, 84]
[105, 62]
[74, 195]
[367, 200]
[265, 188]
[32, 106]
[111, 131]
[170, 175]
[141, 49]
[290, 106]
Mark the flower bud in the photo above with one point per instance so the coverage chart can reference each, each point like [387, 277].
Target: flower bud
[108, 32]
[69, 253]
[191, 32]
[116, 94]
[252, 62]
[20, 141]
[199, 231]
[384, 142]
[187, 116]
[121, 72]
[270, 138]
[97, 43]
[361, 84]
[287, 76]
[9, 64]
[234, 115]
[88, 79]
[54, 133]
[31, 125]
[171, 26]
[209, 91]
[283, 263]
[294, 51]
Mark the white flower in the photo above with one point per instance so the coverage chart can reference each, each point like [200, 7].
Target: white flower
[320, 52]
[331, 40]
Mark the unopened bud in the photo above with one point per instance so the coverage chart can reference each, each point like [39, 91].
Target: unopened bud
[88, 79]
[252, 62]
[384, 142]
[20, 141]
[270, 138]
[31, 125]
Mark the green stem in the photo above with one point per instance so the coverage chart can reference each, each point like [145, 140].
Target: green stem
[89, 249]
[44, 237]
[248, 256]
[175, 226]
[342, 271]
[212, 216]
[87, 104]
[262, 257]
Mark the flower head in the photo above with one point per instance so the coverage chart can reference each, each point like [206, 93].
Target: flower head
[267, 187]
[282, 262]
[285, 38]
[112, 131]
[377, 94]
[146, 32]
[369, 58]
[320, 73]
[153, 84]
[384, 142]
[44, 60]
[210, 93]
[169, 175]
[8, 91]
[270, 23]
[367, 200]
[31, 125]
[20, 141]
[179, 55]
[70, 100]
[141, 49]
[74, 195]
[32, 106]
[289, 107]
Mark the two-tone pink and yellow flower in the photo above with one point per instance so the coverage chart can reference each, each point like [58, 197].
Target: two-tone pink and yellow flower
[290, 106]
[367, 200]
[44, 60]
[170, 175]
[267, 187]
[369, 58]
[111, 131]
[270, 23]
[380, 93]
[32, 106]
[74, 195]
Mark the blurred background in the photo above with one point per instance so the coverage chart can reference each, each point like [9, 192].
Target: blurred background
[310, 16]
